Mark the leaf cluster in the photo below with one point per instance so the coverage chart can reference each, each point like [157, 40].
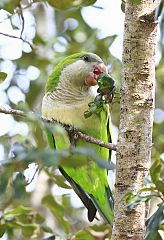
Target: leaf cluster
[155, 190]
[106, 90]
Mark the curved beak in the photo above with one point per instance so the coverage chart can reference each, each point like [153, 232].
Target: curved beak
[91, 79]
[101, 68]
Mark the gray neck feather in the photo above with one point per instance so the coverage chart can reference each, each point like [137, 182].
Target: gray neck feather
[66, 93]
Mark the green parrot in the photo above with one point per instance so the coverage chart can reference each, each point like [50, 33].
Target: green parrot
[70, 87]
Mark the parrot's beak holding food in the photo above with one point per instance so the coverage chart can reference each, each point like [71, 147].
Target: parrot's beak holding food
[91, 79]
[100, 68]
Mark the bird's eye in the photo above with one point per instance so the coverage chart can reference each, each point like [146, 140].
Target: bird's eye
[87, 58]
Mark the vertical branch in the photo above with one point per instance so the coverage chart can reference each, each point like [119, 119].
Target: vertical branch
[136, 118]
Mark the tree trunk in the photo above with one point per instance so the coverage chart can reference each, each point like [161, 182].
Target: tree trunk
[136, 119]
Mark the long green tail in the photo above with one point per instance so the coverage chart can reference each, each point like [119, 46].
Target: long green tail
[106, 209]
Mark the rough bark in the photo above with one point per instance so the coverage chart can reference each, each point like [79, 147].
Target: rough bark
[136, 118]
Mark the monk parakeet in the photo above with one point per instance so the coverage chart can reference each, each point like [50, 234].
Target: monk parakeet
[69, 89]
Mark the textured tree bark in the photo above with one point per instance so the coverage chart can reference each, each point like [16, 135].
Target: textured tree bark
[136, 117]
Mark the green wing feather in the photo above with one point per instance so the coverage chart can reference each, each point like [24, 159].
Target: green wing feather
[90, 182]
[85, 198]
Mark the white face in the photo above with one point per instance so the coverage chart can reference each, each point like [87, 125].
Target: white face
[78, 71]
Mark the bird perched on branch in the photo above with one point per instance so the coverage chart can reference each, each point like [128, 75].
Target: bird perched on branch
[69, 89]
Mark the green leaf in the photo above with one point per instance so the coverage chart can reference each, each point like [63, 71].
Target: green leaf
[155, 171]
[161, 227]
[18, 211]
[104, 231]
[123, 6]
[94, 107]
[39, 137]
[106, 92]
[58, 179]
[19, 186]
[46, 229]
[84, 155]
[46, 157]
[84, 234]
[3, 76]
[8, 5]
[134, 199]
[24, 218]
[153, 223]
[69, 159]
[68, 4]
[136, 2]
[2, 229]
[160, 186]
[27, 229]
[158, 237]
[39, 218]
[159, 9]
[58, 211]
[106, 83]
[5, 174]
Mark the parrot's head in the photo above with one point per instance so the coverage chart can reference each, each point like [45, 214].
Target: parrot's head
[77, 71]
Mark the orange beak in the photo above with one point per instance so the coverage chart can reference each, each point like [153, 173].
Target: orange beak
[91, 79]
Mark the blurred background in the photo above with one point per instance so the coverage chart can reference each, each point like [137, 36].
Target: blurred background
[34, 37]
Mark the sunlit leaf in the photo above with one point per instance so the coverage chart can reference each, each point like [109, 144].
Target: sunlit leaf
[18, 211]
[27, 229]
[103, 231]
[102, 228]
[24, 218]
[84, 234]
[161, 226]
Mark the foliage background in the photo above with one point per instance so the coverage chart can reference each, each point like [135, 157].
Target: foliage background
[31, 204]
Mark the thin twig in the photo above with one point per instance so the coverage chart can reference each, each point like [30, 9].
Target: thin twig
[68, 128]
[20, 38]
[36, 171]
[12, 111]
[22, 18]
[16, 12]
